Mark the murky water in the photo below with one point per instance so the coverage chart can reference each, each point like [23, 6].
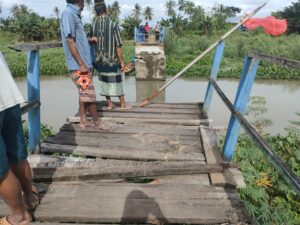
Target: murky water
[60, 99]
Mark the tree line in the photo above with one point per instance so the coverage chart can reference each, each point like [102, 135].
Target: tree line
[179, 16]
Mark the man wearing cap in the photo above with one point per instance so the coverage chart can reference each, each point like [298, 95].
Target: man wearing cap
[109, 62]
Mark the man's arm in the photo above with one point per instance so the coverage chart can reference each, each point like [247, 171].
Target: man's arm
[76, 55]
[120, 57]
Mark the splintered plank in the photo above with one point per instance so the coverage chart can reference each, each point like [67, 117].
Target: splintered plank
[138, 128]
[116, 169]
[152, 110]
[123, 153]
[150, 120]
[193, 105]
[209, 142]
[130, 138]
[139, 203]
[149, 115]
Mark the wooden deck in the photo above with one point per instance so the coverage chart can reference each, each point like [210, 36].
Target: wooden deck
[159, 165]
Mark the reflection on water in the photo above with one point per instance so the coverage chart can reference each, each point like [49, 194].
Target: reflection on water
[144, 89]
[60, 99]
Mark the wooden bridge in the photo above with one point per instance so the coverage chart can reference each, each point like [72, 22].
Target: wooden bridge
[158, 165]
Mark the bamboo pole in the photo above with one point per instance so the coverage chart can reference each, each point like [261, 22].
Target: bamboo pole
[157, 92]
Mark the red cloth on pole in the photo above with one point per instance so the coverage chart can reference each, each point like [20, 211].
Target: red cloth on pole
[270, 24]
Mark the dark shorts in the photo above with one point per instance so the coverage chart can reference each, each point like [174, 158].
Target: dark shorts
[13, 149]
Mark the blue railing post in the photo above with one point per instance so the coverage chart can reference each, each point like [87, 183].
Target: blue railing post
[34, 114]
[240, 105]
[213, 74]
[135, 34]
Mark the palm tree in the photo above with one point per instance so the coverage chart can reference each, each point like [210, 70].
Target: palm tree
[114, 11]
[148, 13]
[56, 11]
[181, 5]
[0, 7]
[189, 8]
[19, 9]
[137, 11]
[170, 5]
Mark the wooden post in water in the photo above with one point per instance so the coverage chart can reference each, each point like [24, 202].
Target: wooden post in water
[34, 114]
[240, 105]
[213, 74]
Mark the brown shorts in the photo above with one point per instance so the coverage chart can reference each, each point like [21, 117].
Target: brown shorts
[85, 95]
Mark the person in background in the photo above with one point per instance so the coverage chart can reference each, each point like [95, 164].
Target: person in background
[146, 29]
[109, 62]
[157, 31]
[15, 172]
[78, 57]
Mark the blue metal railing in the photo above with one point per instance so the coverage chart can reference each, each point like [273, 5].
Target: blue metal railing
[238, 109]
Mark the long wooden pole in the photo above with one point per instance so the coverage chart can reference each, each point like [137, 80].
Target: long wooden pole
[157, 92]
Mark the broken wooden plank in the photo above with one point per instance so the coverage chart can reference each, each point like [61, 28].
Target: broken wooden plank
[130, 137]
[184, 122]
[153, 110]
[122, 153]
[200, 179]
[137, 128]
[138, 142]
[187, 105]
[130, 114]
[145, 203]
[209, 142]
[147, 169]
[230, 177]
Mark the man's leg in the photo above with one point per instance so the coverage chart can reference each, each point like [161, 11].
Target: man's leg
[23, 172]
[92, 107]
[110, 104]
[82, 112]
[10, 191]
[123, 103]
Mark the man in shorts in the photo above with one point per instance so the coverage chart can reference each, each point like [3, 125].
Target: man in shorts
[15, 172]
[78, 57]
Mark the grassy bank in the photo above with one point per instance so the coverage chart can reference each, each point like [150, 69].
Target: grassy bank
[180, 51]
[267, 197]
[184, 49]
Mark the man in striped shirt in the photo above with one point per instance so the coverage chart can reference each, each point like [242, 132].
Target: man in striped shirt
[109, 62]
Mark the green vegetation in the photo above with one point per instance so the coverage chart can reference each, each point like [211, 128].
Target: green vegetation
[267, 197]
[180, 50]
[46, 131]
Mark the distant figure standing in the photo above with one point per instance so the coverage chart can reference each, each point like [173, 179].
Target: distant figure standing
[146, 29]
[157, 31]
[107, 42]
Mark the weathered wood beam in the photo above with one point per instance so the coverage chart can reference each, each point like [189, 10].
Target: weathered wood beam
[276, 60]
[35, 46]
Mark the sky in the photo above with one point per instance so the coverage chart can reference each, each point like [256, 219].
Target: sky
[45, 8]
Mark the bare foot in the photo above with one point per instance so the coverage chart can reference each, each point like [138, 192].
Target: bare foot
[85, 124]
[33, 200]
[103, 126]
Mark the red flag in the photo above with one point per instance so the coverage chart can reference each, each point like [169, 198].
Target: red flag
[270, 24]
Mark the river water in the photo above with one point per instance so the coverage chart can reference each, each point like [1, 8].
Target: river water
[60, 99]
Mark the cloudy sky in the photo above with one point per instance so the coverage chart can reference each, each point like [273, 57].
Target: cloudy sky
[45, 8]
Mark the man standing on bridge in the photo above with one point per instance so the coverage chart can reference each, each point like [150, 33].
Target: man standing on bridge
[78, 57]
[15, 172]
